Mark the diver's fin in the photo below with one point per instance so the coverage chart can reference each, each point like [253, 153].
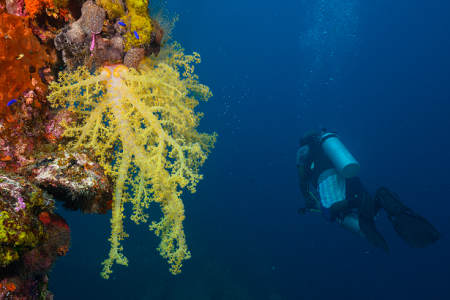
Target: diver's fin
[414, 229]
[367, 223]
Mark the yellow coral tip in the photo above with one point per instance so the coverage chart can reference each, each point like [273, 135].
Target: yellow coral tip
[106, 72]
[119, 70]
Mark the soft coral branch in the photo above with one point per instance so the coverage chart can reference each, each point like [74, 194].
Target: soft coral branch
[149, 117]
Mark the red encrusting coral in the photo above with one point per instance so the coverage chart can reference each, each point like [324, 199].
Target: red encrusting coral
[45, 218]
[52, 219]
[63, 250]
[22, 130]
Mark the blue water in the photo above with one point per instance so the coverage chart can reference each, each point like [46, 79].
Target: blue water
[377, 72]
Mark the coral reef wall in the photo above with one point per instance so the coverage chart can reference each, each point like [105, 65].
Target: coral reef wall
[96, 110]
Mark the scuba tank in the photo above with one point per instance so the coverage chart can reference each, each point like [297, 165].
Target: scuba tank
[351, 223]
[341, 158]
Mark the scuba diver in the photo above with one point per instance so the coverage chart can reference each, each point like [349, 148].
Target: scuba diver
[325, 163]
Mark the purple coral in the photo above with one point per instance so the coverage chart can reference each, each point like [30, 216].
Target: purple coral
[15, 7]
[54, 128]
[94, 16]
[109, 49]
[20, 204]
[133, 57]
[76, 33]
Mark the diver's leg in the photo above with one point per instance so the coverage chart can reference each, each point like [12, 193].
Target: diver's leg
[353, 188]
[349, 220]
[367, 222]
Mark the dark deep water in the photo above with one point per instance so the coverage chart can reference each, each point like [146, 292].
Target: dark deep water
[377, 72]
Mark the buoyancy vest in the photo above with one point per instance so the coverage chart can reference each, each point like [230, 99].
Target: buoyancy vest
[316, 162]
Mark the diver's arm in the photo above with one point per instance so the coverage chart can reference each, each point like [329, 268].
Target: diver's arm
[303, 181]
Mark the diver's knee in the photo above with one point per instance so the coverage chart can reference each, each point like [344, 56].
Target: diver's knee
[351, 223]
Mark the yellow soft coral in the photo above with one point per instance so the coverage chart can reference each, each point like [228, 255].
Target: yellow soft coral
[141, 125]
[113, 8]
[17, 231]
[140, 28]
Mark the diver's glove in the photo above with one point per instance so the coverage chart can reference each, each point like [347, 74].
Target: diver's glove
[310, 202]
[302, 210]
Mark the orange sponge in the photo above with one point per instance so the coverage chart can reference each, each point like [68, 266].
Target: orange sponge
[35, 6]
[20, 59]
